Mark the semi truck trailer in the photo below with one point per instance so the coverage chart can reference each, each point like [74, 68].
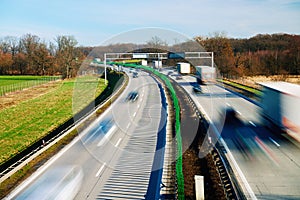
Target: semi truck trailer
[205, 74]
[280, 107]
[184, 68]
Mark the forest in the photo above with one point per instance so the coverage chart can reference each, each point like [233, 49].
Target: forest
[263, 54]
[30, 55]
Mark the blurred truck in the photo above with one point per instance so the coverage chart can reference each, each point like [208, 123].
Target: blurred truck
[184, 68]
[280, 107]
[205, 74]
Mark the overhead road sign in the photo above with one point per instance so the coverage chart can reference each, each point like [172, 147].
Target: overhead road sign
[139, 55]
[172, 55]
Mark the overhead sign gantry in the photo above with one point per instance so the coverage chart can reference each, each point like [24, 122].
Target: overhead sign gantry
[157, 56]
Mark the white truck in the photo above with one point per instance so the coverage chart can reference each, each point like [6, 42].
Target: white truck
[205, 74]
[184, 68]
[156, 64]
[144, 62]
[280, 107]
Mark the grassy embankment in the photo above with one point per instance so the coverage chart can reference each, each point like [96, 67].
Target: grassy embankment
[27, 121]
[242, 87]
[114, 79]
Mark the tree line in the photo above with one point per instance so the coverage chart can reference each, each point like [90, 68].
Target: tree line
[30, 55]
[263, 54]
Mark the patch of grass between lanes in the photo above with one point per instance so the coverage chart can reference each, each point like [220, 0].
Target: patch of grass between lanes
[242, 87]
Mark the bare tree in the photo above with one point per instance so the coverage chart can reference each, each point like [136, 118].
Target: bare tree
[29, 45]
[67, 55]
[224, 56]
[157, 43]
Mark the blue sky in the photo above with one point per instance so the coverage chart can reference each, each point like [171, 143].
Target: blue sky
[94, 21]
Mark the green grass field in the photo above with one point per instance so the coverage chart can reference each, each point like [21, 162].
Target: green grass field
[15, 83]
[11, 80]
[25, 123]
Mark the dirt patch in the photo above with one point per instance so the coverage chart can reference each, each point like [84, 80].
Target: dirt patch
[253, 80]
[14, 98]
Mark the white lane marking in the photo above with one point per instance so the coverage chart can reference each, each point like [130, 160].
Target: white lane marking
[134, 114]
[252, 123]
[239, 112]
[117, 144]
[127, 126]
[274, 142]
[107, 136]
[138, 106]
[100, 170]
[228, 104]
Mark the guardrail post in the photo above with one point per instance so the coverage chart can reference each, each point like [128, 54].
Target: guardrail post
[199, 187]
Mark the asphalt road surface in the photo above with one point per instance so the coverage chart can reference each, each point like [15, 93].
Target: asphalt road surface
[269, 162]
[112, 158]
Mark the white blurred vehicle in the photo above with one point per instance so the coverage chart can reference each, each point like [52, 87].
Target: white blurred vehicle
[280, 107]
[184, 68]
[206, 74]
[59, 183]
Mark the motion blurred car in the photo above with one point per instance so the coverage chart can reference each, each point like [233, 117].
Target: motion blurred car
[197, 89]
[178, 77]
[58, 183]
[132, 96]
[135, 75]
[231, 115]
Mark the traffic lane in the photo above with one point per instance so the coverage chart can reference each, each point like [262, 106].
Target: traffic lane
[115, 146]
[260, 153]
[225, 99]
[120, 119]
[131, 176]
[212, 99]
[260, 183]
[78, 156]
[125, 112]
[216, 99]
[104, 159]
[268, 168]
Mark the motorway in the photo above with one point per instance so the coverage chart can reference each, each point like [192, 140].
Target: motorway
[112, 158]
[266, 164]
